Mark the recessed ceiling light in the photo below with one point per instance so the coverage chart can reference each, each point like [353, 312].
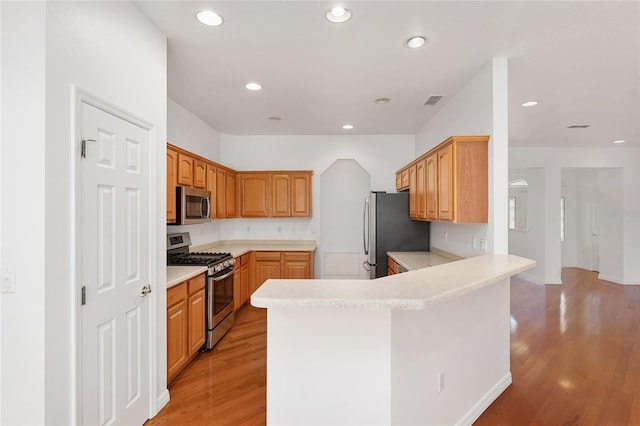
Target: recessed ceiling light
[253, 86]
[530, 103]
[338, 14]
[382, 100]
[348, 126]
[620, 141]
[274, 118]
[209, 17]
[415, 42]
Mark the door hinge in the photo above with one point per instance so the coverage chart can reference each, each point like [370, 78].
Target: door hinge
[83, 147]
[84, 295]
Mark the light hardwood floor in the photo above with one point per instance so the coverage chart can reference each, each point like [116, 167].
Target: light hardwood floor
[575, 360]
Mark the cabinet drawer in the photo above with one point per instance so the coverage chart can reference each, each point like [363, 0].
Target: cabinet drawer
[196, 284]
[267, 256]
[176, 293]
[297, 256]
[244, 259]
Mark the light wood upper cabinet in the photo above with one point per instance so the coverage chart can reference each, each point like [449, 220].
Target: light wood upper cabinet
[231, 199]
[456, 182]
[421, 181]
[172, 182]
[413, 192]
[199, 174]
[254, 194]
[212, 187]
[301, 194]
[221, 199]
[431, 186]
[445, 183]
[281, 195]
[185, 169]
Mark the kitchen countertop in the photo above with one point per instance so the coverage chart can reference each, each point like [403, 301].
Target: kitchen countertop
[412, 260]
[178, 274]
[413, 290]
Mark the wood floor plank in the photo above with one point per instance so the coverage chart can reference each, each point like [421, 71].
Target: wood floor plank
[575, 360]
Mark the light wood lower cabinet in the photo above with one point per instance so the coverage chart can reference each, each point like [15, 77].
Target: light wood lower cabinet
[267, 266]
[392, 266]
[297, 265]
[185, 323]
[241, 281]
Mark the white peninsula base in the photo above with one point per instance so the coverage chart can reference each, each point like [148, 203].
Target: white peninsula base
[332, 361]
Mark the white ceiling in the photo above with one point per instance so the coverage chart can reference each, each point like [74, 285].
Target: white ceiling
[579, 59]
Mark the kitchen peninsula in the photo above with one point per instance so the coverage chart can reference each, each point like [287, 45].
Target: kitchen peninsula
[428, 346]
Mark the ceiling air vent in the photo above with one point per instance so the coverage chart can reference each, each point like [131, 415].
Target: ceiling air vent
[578, 126]
[434, 99]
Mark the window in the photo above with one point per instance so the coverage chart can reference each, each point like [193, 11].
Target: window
[562, 219]
[512, 212]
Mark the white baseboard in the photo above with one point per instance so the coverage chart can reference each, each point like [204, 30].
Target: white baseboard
[611, 278]
[162, 400]
[475, 412]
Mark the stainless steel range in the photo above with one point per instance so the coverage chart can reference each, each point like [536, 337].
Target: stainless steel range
[219, 288]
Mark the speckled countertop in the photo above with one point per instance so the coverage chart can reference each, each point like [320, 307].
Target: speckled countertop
[178, 274]
[412, 260]
[413, 290]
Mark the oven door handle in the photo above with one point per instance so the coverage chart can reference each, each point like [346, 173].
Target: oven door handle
[228, 274]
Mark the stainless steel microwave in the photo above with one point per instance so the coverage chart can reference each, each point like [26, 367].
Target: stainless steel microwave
[193, 205]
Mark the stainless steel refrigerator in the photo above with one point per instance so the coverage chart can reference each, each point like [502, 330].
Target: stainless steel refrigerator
[387, 227]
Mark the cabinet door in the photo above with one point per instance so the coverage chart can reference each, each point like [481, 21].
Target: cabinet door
[301, 194]
[267, 265]
[254, 195]
[413, 192]
[199, 174]
[176, 338]
[445, 183]
[196, 321]
[421, 189]
[432, 186]
[230, 195]
[185, 170]
[172, 181]
[237, 287]
[212, 175]
[245, 282]
[297, 265]
[221, 199]
[280, 195]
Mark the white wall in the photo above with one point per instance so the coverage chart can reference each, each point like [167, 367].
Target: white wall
[611, 225]
[587, 209]
[380, 156]
[23, 238]
[479, 108]
[569, 190]
[624, 206]
[110, 50]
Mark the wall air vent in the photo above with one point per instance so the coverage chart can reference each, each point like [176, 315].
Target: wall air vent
[434, 99]
[578, 126]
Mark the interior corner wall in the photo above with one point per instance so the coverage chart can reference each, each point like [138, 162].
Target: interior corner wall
[569, 191]
[23, 240]
[187, 131]
[112, 51]
[479, 108]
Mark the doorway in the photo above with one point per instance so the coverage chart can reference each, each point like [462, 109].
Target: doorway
[113, 254]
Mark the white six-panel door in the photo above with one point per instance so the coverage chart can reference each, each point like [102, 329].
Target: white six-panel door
[115, 268]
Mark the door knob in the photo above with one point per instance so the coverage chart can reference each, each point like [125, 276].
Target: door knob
[145, 290]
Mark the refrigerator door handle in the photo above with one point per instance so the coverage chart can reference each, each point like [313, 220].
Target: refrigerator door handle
[365, 227]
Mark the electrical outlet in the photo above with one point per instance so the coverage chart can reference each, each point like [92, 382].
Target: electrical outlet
[440, 382]
[446, 236]
[483, 245]
[473, 242]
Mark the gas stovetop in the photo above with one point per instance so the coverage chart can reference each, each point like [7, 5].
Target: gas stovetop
[178, 254]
